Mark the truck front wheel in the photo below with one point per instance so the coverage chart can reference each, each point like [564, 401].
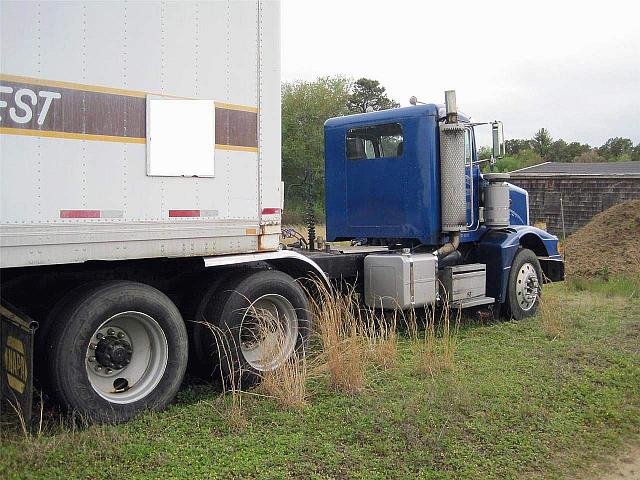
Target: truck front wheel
[116, 349]
[525, 284]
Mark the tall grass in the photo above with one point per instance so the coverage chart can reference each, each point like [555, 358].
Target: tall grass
[434, 348]
[344, 348]
[380, 330]
[552, 315]
[287, 384]
[233, 411]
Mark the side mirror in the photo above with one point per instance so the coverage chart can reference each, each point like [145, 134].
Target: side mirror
[497, 132]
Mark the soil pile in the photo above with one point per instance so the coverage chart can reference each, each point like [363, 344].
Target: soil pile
[608, 244]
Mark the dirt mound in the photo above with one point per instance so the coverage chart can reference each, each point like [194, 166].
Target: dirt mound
[608, 244]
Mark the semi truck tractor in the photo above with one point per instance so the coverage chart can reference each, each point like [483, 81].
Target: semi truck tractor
[141, 202]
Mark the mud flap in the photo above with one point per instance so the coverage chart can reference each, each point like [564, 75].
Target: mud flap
[16, 359]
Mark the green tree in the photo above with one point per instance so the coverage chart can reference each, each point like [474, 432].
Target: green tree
[485, 153]
[515, 145]
[369, 95]
[542, 141]
[522, 159]
[575, 149]
[557, 152]
[305, 108]
[616, 149]
[561, 151]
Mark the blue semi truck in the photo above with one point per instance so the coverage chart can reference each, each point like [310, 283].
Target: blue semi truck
[405, 186]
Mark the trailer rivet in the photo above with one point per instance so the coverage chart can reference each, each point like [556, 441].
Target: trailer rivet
[120, 335]
[108, 370]
[92, 359]
[99, 336]
[111, 332]
[98, 368]
[92, 346]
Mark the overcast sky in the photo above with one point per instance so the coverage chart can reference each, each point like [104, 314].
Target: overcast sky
[572, 67]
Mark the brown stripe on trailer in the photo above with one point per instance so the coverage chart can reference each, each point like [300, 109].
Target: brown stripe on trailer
[80, 111]
[105, 114]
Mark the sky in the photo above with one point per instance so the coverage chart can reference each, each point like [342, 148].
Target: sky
[571, 67]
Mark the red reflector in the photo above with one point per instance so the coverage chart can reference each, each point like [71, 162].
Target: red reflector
[270, 211]
[184, 213]
[79, 213]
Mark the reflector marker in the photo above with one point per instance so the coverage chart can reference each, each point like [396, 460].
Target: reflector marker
[91, 213]
[184, 213]
[270, 211]
[192, 213]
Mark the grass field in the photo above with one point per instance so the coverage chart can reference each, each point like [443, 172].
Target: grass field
[555, 396]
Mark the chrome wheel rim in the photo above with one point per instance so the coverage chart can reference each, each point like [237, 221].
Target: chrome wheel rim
[269, 332]
[126, 357]
[527, 287]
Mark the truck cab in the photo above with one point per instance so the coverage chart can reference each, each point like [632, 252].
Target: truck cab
[383, 178]
[409, 180]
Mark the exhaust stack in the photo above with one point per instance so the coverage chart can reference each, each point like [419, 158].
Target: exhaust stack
[453, 191]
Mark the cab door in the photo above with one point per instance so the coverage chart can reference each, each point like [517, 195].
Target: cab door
[376, 176]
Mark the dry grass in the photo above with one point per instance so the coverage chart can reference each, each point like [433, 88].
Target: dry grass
[287, 384]
[344, 348]
[552, 317]
[381, 335]
[435, 347]
[232, 411]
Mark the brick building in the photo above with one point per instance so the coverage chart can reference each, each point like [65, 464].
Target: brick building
[579, 190]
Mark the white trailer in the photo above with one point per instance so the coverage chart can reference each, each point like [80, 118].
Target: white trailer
[138, 142]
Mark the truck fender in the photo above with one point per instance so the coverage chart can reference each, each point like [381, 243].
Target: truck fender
[293, 263]
[497, 248]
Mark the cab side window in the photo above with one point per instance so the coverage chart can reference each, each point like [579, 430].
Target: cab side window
[375, 141]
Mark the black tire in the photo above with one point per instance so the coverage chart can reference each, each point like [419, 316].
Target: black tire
[74, 329]
[514, 308]
[202, 360]
[42, 341]
[227, 310]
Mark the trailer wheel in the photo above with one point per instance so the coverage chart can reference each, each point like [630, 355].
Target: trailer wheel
[525, 285]
[246, 346]
[203, 359]
[117, 349]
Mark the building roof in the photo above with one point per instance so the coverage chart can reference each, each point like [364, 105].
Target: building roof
[603, 169]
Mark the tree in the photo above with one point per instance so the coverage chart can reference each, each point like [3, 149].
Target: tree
[616, 149]
[524, 158]
[515, 145]
[561, 151]
[368, 95]
[575, 149]
[542, 141]
[557, 152]
[485, 153]
[590, 156]
[305, 108]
